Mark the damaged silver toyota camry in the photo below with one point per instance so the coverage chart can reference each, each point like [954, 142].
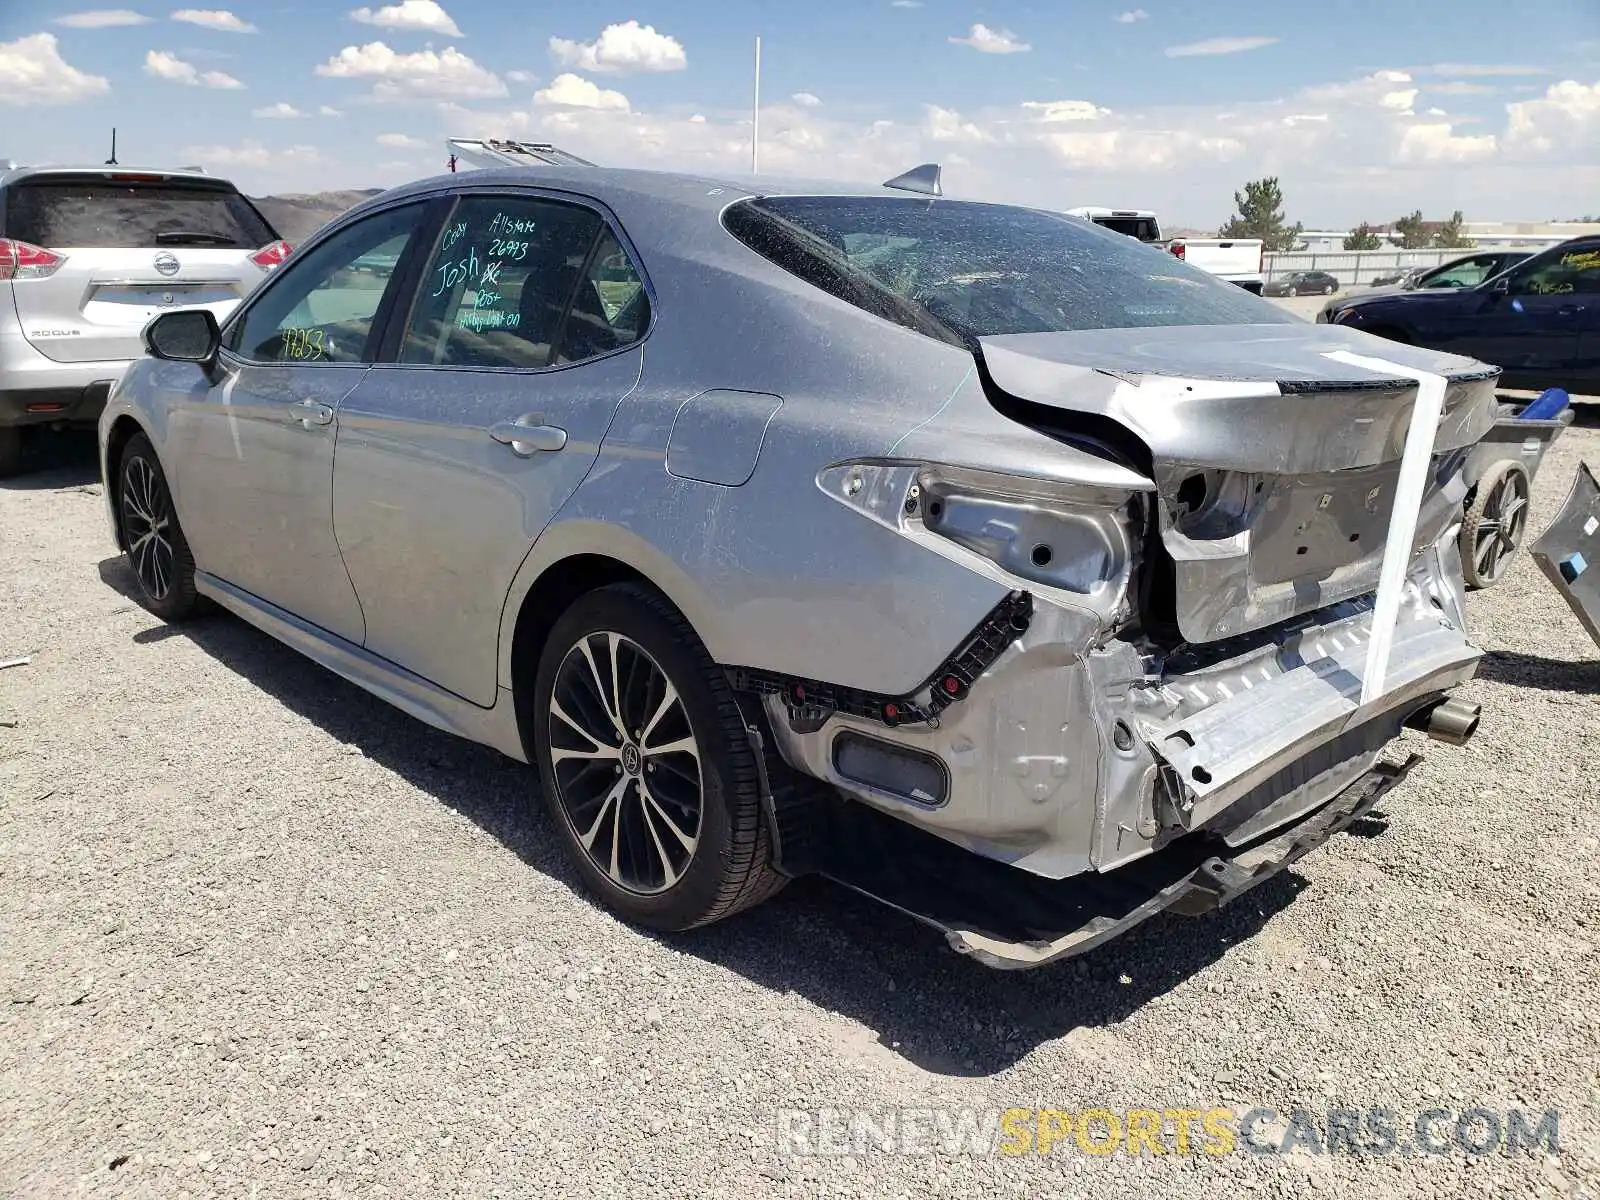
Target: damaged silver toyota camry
[973, 556]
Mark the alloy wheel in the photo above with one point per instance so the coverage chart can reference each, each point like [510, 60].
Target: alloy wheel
[1498, 535]
[147, 526]
[626, 763]
[1291, 292]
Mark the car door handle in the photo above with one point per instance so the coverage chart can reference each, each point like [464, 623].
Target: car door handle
[526, 440]
[1569, 310]
[311, 412]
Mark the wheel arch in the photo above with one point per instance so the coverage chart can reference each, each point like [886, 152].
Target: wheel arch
[566, 563]
[123, 430]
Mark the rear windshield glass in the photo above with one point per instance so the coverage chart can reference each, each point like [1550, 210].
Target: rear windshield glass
[132, 215]
[1142, 228]
[964, 270]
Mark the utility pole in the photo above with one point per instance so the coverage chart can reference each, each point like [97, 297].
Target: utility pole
[755, 116]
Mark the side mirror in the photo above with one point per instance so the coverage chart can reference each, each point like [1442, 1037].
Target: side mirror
[188, 335]
[1501, 286]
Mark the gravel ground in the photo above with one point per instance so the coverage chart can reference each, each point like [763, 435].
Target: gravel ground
[262, 935]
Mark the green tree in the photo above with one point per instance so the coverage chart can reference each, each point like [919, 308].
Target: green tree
[1260, 215]
[1412, 235]
[1362, 238]
[1449, 234]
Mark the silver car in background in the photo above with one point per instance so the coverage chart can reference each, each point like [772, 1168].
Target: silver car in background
[970, 555]
[88, 255]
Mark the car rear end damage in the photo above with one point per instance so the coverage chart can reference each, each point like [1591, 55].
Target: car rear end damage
[1202, 562]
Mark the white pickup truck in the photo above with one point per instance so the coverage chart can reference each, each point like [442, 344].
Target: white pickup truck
[1238, 260]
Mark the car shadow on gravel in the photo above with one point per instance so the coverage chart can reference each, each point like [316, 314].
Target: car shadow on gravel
[1542, 674]
[53, 460]
[923, 1004]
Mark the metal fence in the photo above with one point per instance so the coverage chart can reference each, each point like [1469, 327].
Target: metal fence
[1361, 267]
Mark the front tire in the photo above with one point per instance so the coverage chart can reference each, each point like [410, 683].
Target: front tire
[1329, 290]
[153, 541]
[1291, 291]
[646, 765]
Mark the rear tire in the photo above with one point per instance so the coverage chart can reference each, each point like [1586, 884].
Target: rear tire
[1329, 290]
[1491, 533]
[646, 764]
[153, 541]
[10, 450]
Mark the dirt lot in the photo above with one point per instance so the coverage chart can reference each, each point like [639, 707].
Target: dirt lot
[262, 935]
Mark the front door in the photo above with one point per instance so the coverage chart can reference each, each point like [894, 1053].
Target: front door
[455, 453]
[1532, 329]
[256, 491]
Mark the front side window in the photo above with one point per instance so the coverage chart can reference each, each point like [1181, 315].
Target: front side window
[321, 307]
[960, 270]
[1462, 274]
[522, 282]
[1560, 273]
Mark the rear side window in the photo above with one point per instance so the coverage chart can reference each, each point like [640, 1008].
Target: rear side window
[102, 213]
[962, 270]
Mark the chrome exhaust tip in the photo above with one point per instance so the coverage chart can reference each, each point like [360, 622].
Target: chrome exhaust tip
[1450, 721]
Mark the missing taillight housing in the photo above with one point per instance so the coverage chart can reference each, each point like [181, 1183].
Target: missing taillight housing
[24, 260]
[273, 255]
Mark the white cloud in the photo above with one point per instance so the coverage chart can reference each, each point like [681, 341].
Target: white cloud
[102, 18]
[32, 72]
[1436, 112]
[698, 119]
[254, 154]
[415, 16]
[1128, 18]
[209, 18]
[520, 76]
[1065, 110]
[1566, 116]
[1461, 87]
[1436, 144]
[327, 111]
[400, 141]
[281, 111]
[423, 75]
[163, 64]
[905, 3]
[574, 91]
[1221, 45]
[806, 99]
[947, 125]
[1306, 119]
[1483, 69]
[628, 46]
[992, 41]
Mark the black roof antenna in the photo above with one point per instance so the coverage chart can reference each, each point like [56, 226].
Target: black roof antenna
[112, 161]
[923, 179]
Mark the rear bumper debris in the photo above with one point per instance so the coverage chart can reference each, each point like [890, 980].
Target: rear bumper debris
[1009, 919]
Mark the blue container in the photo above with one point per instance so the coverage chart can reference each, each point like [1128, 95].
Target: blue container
[1547, 407]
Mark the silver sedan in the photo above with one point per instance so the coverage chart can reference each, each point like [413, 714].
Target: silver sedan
[967, 554]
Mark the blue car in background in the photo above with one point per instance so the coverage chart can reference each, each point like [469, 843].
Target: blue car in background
[1539, 321]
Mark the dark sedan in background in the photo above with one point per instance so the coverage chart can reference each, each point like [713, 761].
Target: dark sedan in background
[1539, 321]
[1302, 283]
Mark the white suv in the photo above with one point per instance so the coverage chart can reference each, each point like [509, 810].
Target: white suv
[88, 255]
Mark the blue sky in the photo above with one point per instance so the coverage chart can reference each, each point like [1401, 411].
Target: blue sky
[1365, 109]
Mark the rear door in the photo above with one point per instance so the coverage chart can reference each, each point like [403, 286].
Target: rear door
[484, 416]
[134, 246]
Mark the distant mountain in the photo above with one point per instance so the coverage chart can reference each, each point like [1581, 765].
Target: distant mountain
[297, 216]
